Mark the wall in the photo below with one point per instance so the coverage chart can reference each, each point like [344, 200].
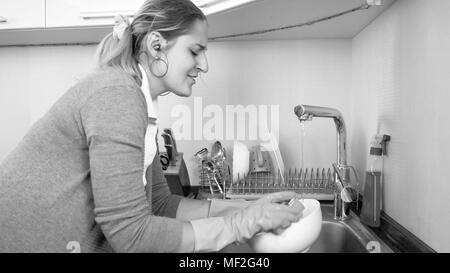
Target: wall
[400, 79]
[281, 73]
[31, 80]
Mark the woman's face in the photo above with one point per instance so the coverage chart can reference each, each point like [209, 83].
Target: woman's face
[187, 58]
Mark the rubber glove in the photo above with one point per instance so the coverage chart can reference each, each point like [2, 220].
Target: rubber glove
[294, 203]
[265, 214]
[221, 207]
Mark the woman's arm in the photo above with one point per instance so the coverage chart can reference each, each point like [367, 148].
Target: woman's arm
[192, 209]
[163, 203]
[114, 122]
[185, 209]
[171, 205]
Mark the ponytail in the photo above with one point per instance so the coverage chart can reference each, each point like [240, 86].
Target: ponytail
[116, 49]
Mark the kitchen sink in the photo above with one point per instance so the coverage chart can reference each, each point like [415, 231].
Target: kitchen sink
[336, 236]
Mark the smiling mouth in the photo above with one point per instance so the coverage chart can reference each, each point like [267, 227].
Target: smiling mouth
[192, 78]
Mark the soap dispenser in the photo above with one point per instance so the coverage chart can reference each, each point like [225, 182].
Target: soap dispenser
[371, 205]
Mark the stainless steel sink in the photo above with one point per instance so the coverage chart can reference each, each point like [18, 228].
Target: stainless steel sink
[337, 237]
[348, 236]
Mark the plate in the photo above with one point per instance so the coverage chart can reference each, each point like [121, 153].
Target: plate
[241, 156]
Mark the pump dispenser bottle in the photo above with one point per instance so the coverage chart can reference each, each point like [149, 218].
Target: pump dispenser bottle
[371, 205]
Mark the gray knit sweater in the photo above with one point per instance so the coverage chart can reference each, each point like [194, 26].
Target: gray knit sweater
[75, 180]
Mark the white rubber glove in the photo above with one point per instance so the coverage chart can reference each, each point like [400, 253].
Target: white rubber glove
[220, 207]
[264, 214]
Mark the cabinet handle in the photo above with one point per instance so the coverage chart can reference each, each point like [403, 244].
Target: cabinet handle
[3, 19]
[99, 14]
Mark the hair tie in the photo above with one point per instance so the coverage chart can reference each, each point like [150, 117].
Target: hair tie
[121, 22]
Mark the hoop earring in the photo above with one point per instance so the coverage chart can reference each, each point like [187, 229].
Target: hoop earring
[159, 59]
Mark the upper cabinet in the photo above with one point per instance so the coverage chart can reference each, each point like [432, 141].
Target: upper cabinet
[40, 22]
[22, 14]
[80, 13]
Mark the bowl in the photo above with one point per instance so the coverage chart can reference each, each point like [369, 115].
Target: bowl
[240, 160]
[298, 237]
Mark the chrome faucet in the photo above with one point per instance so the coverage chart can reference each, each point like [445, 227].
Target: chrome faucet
[344, 194]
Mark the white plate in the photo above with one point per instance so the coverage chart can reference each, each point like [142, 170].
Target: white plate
[240, 160]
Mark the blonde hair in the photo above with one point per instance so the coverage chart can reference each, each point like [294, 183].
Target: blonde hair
[171, 18]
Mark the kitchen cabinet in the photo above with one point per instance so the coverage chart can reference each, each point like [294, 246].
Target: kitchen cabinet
[82, 13]
[22, 14]
[51, 22]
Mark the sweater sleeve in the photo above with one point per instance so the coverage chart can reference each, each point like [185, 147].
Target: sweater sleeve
[114, 122]
[163, 202]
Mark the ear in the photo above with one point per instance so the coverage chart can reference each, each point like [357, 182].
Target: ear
[155, 43]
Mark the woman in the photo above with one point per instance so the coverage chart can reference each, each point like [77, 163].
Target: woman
[80, 179]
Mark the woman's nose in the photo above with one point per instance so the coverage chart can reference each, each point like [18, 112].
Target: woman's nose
[202, 63]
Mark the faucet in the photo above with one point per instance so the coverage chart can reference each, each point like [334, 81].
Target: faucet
[344, 193]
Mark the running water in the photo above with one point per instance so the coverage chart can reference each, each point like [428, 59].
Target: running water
[302, 144]
[302, 147]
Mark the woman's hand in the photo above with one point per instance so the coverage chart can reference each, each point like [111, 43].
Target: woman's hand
[267, 214]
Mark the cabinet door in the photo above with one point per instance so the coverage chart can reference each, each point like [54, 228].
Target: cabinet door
[17, 14]
[78, 13]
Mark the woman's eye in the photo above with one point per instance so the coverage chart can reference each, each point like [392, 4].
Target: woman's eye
[194, 53]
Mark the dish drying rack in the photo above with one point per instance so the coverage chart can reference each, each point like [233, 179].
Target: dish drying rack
[309, 183]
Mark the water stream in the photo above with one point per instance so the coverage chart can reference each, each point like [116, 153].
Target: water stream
[302, 144]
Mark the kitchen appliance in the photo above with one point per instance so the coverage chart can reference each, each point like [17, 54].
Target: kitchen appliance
[174, 167]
